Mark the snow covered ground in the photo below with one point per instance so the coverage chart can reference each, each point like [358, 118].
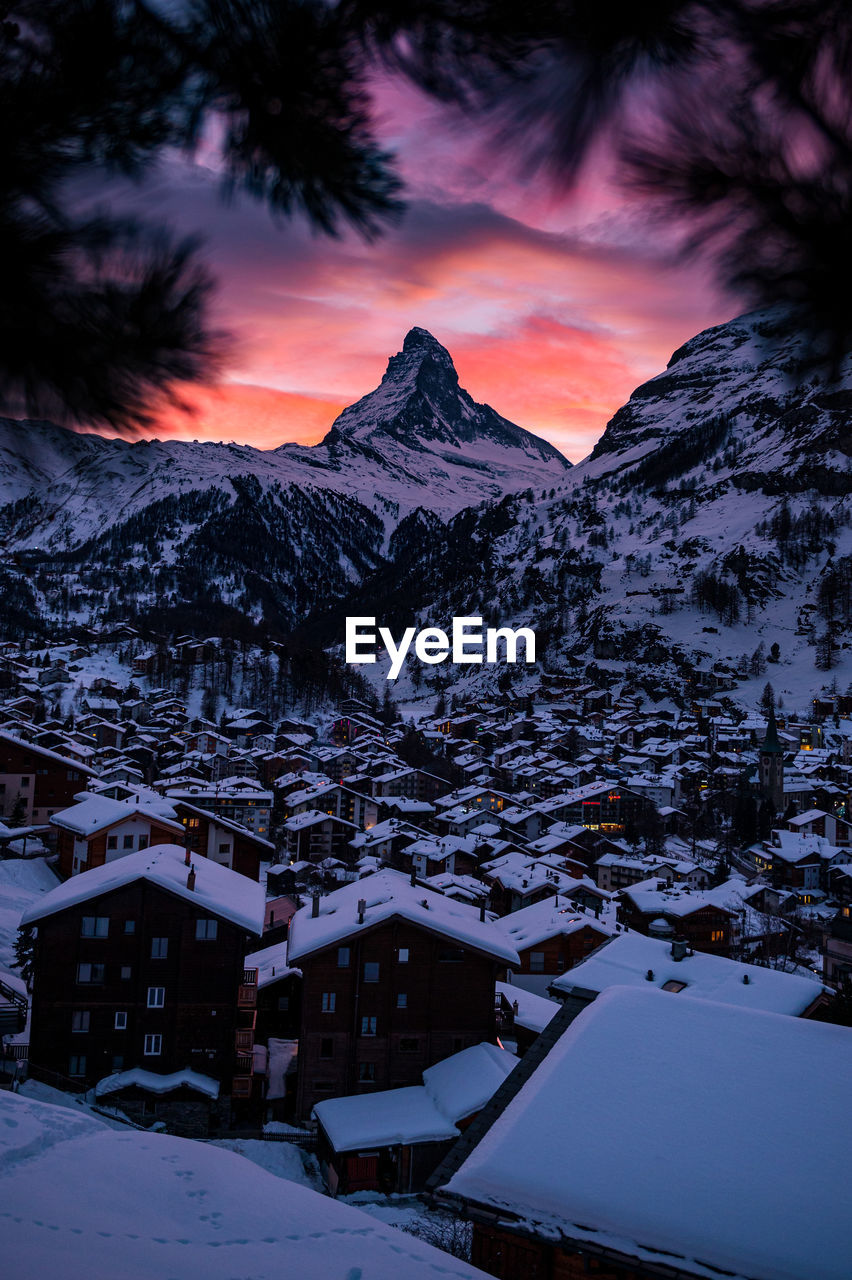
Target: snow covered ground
[82, 1201]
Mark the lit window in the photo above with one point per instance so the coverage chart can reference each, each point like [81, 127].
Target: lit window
[153, 1046]
[206, 929]
[156, 997]
[717, 935]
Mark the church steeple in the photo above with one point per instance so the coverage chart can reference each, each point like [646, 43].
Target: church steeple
[771, 743]
[772, 764]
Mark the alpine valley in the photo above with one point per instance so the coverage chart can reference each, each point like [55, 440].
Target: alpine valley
[704, 543]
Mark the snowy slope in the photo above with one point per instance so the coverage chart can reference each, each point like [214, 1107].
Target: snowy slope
[712, 517]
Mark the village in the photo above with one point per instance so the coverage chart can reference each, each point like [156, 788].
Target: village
[440, 957]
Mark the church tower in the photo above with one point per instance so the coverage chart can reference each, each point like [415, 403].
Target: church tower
[772, 764]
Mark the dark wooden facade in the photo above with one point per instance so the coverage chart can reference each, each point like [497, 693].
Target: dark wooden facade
[368, 1041]
[92, 1003]
[44, 782]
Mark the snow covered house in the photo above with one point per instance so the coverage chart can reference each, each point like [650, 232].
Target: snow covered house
[98, 829]
[550, 937]
[139, 964]
[395, 978]
[393, 1141]
[636, 1146]
[704, 917]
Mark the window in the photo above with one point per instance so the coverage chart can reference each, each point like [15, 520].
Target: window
[77, 1064]
[673, 985]
[80, 1020]
[403, 955]
[371, 971]
[401, 1000]
[536, 962]
[94, 927]
[112, 842]
[156, 997]
[329, 1000]
[368, 1026]
[367, 1072]
[343, 957]
[126, 973]
[89, 973]
[225, 848]
[409, 1044]
[127, 842]
[327, 1047]
[143, 842]
[118, 1062]
[121, 1022]
[451, 955]
[283, 1004]
[130, 926]
[25, 782]
[206, 929]
[159, 948]
[153, 1046]
[717, 935]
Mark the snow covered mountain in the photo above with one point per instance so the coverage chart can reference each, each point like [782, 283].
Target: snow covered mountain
[136, 526]
[418, 440]
[704, 544]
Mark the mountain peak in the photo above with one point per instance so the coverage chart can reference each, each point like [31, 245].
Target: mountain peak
[419, 405]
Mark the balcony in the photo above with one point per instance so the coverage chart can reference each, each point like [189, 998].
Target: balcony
[241, 1087]
[246, 997]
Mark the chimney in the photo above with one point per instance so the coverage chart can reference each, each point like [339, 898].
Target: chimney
[482, 911]
[187, 857]
[413, 875]
[680, 948]
[362, 907]
[190, 879]
[315, 901]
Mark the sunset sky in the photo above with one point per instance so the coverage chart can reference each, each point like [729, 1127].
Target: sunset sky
[554, 307]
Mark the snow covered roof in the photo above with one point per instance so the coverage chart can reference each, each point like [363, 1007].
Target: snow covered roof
[99, 811]
[68, 761]
[463, 1083]
[222, 892]
[451, 1091]
[147, 1205]
[387, 895]
[271, 964]
[697, 1141]
[534, 1011]
[547, 919]
[627, 959]
[151, 1082]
